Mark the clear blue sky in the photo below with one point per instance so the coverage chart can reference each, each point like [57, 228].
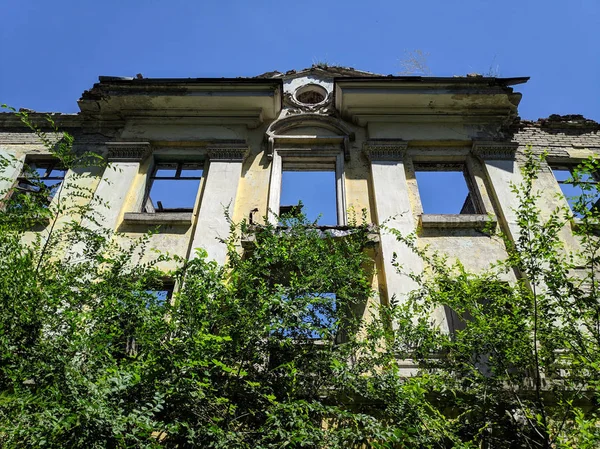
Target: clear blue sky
[316, 190]
[53, 50]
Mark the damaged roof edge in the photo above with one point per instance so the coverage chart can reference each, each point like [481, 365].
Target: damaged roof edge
[41, 119]
[137, 86]
[279, 81]
[130, 80]
[438, 79]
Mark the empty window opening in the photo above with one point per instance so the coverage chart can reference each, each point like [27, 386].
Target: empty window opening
[315, 190]
[311, 316]
[311, 94]
[445, 189]
[156, 296]
[163, 294]
[584, 188]
[311, 319]
[173, 187]
[41, 177]
[311, 97]
[320, 316]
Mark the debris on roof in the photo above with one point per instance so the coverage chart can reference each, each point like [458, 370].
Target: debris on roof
[323, 69]
[568, 121]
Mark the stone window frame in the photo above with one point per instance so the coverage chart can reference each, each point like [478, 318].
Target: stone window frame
[149, 158]
[569, 164]
[307, 159]
[29, 162]
[475, 180]
[140, 216]
[179, 166]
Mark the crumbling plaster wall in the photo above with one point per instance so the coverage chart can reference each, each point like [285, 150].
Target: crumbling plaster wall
[476, 248]
[564, 140]
[16, 145]
[253, 189]
[173, 140]
[359, 194]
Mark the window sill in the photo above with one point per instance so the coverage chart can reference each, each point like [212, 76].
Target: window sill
[160, 218]
[456, 221]
[578, 225]
[249, 240]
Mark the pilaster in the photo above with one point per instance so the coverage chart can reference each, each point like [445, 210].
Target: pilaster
[502, 171]
[220, 192]
[124, 160]
[393, 209]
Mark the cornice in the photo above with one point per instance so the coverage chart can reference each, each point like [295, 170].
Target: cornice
[379, 150]
[127, 151]
[495, 150]
[231, 153]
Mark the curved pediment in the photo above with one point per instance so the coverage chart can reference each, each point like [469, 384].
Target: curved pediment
[310, 131]
[309, 124]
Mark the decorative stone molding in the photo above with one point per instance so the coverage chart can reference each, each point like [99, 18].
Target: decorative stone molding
[162, 218]
[495, 150]
[127, 151]
[438, 152]
[381, 150]
[231, 153]
[309, 146]
[473, 221]
[293, 106]
[337, 232]
[339, 135]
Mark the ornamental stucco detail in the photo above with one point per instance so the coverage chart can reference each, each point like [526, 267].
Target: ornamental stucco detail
[127, 151]
[232, 154]
[385, 151]
[495, 150]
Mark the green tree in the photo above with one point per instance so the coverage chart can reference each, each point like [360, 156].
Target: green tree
[269, 351]
[281, 346]
[521, 369]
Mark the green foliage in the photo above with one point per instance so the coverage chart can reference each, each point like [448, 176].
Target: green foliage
[282, 347]
[269, 351]
[520, 368]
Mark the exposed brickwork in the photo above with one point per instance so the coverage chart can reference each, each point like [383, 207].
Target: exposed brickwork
[8, 138]
[558, 134]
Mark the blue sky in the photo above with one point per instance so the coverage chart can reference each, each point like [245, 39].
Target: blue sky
[316, 190]
[53, 50]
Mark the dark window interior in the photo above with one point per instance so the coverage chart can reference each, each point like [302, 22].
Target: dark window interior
[173, 187]
[572, 190]
[445, 189]
[311, 97]
[41, 177]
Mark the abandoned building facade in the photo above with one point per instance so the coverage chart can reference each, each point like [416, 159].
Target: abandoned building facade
[431, 155]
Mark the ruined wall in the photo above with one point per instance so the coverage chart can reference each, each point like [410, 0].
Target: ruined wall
[566, 141]
[374, 158]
